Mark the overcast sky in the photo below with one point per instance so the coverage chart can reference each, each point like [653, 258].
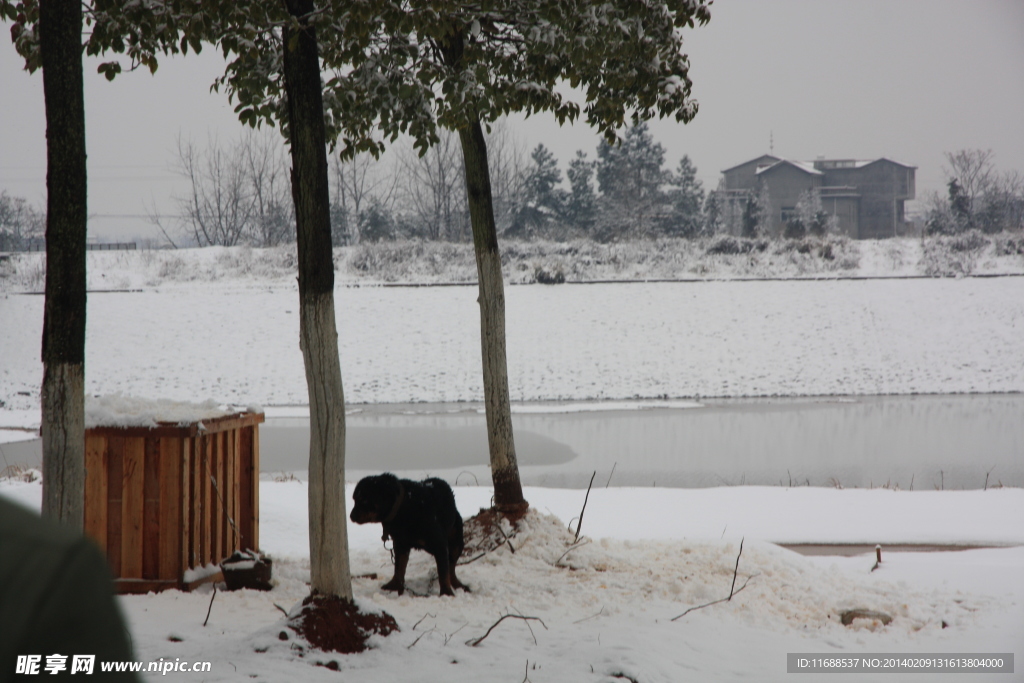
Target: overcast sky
[903, 79]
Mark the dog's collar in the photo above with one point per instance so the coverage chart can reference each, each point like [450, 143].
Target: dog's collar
[398, 503]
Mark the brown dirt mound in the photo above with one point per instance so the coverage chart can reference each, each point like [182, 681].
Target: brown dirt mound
[334, 625]
[483, 532]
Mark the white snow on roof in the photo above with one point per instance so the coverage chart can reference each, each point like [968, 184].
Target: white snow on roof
[806, 166]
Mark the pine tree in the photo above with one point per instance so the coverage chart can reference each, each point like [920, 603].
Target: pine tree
[581, 205]
[544, 202]
[713, 218]
[687, 199]
[630, 177]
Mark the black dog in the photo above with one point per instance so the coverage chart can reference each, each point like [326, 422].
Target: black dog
[415, 514]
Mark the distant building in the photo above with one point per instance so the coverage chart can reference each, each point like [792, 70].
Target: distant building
[867, 197]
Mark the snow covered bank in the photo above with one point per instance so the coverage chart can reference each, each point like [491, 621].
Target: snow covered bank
[424, 263]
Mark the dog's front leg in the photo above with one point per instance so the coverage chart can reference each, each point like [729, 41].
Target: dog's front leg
[397, 583]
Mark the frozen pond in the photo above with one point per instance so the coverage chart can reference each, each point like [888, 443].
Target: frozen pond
[924, 442]
[921, 441]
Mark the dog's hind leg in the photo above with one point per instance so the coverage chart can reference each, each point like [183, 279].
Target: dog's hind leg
[456, 543]
[397, 583]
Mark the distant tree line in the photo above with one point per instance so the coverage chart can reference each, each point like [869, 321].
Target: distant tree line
[978, 196]
[238, 193]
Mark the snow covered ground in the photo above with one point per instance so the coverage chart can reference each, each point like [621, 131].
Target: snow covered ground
[607, 606]
[222, 325]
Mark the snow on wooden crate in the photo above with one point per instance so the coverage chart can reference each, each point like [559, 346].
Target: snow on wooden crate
[170, 487]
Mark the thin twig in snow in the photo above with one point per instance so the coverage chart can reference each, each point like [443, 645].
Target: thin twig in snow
[736, 569]
[428, 614]
[579, 524]
[476, 641]
[582, 543]
[210, 608]
[732, 590]
[716, 601]
[592, 616]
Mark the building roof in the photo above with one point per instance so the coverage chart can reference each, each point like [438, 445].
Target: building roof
[763, 156]
[804, 166]
[813, 167]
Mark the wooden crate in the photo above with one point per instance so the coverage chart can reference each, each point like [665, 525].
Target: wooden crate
[161, 501]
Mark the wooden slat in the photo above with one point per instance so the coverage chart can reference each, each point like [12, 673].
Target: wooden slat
[245, 510]
[132, 508]
[151, 511]
[216, 479]
[236, 440]
[206, 530]
[95, 521]
[171, 525]
[186, 505]
[227, 488]
[115, 486]
[254, 466]
[196, 509]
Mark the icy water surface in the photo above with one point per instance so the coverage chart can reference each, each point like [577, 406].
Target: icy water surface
[924, 442]
[920, 442]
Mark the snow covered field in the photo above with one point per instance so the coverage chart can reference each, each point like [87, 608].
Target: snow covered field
[187, 335]
[200, 330]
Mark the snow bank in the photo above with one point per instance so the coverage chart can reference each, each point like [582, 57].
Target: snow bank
[417, 262]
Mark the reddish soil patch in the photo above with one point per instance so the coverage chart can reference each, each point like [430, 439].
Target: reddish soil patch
[334, 625]
[483, 532]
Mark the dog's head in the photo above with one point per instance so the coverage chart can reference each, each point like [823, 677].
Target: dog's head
[374, 498]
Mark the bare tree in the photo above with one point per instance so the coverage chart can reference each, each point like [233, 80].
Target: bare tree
[436, 189]
[273, 213]
[219, 206]
[19, 222]
[973, 170]
[358, 184]
[506, 156]
[1003, 204]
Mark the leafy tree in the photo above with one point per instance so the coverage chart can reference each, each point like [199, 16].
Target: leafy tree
[630, 176]
[416, 67]
[275, 60]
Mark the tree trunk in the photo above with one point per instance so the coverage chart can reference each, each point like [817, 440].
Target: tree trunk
[63, 347]
[508, 491]
[318, 336]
